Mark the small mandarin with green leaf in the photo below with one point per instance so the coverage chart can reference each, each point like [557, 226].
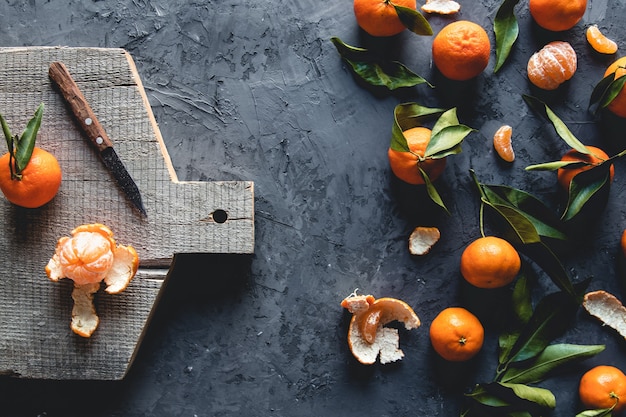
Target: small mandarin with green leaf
[490, 262]
[407, 166]
[379, 17]
[596, 156]
[29, 176]
[618, 104]
[603, 387]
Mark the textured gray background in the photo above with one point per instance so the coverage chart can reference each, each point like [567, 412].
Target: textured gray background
[256, 91]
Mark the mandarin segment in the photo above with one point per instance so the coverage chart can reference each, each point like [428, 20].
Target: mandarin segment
[461, 50]
[599, 42]
[503, 144]
[551, 66]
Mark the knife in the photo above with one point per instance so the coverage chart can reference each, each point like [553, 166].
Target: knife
[90, 125]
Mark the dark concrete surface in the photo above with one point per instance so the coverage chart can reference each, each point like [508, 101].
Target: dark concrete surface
[256, 91]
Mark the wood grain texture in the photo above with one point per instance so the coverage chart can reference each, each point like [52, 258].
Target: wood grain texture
[35, 339]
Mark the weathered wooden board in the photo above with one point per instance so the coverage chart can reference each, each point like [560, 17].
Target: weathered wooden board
[35, 338]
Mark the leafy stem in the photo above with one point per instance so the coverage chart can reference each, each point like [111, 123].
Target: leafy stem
[21, 147]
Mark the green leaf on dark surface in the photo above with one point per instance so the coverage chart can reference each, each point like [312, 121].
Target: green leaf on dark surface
[539, 396]
[432, 191]
[413, 20]
[506, 30]
[594, 183]
[551, 360]
[505, 399]
[447, 141]
[560, 127]
[604, 412]
[605, 92]
[407, 116]
[555, 165]
[550, 319]
[389, 74]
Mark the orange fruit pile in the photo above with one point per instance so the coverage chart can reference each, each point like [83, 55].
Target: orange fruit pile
[456, 334]
[618, 105]
[603, 387]
[379, 17]
[39, 182]
[551, 66]
[407, 165]
[557, 15]
[461, 50]
[490, 262]
[565, 175]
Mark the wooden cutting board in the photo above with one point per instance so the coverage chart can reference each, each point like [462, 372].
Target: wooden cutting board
[183, 217]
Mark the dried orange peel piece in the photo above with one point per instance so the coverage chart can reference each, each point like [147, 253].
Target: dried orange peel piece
[607, 308]
[444, 7]
[89, 257]
[422, 239]
[599, 42]
[368, 338]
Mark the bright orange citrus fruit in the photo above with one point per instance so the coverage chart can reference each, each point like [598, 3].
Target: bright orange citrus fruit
[565, 175]
[456, 334]
[406, 165]
[502, 143]
[599, 42]
[461, 50]
[557, 15]
[490, 262]
[622, 243]
[554, 64]
[39, 182]
[379, 17]
[618, 105]
[603, 387]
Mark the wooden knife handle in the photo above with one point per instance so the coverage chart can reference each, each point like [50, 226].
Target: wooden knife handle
[80, 107]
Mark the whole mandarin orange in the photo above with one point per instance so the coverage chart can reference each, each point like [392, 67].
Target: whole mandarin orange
[603, 387]
[618, 105]
[557, 15]
[461, 50]
[379, 17]
[406, 165]
[39, 181]
[490, 262]
[565, 175]
[456, 334]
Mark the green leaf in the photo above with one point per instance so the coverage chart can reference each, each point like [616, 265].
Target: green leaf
[447, 141]
[390, 74]
[551, 359]
[605, 91]
[413, 20]
[559, 126]
[539, 396]
[407, 116]
[603, 412]
[432, 191]
[553, 166]
[7, 134]
[26, 144]
[521, 300]
[549, 320]
[511, 399]
[592, 184]
[506, 31]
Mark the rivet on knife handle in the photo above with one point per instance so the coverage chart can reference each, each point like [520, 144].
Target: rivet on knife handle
[90, 125]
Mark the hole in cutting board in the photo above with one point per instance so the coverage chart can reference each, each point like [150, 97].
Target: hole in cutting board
[220, 216]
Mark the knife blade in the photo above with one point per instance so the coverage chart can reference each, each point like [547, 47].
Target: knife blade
[92, 128]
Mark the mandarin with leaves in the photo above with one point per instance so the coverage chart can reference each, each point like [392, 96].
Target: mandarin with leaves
[594, 158]
[618, 105]
[29, 176]
[379, 17]
[603, 387]
[408, 166]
